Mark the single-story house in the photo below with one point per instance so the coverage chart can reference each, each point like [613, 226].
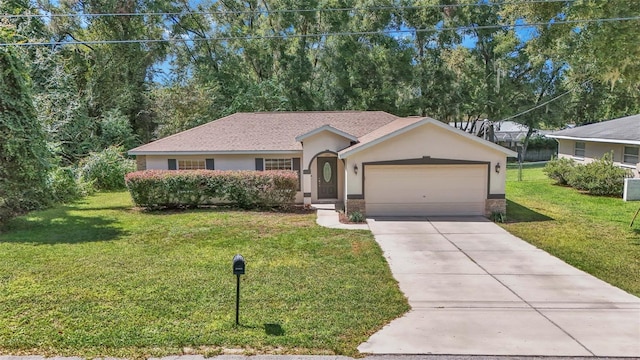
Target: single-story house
[590, 142]
[368, 161]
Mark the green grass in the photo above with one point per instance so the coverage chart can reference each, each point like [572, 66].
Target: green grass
[97, 278]
[591, 233]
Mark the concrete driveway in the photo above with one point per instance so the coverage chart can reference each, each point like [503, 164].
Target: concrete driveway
[476, 289]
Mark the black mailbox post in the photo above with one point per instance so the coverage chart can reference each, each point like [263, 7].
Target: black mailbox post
[238, 269]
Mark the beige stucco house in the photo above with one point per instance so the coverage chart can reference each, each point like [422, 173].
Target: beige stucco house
[590, 142]
[373, 162]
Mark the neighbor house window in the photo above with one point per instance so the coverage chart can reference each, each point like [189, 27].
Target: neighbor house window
[278, 164]
[578, 150]
[191, 164]
[631, 155]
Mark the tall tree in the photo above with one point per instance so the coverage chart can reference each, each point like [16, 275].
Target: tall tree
[598, 48]
[118, 75]
[23, 149]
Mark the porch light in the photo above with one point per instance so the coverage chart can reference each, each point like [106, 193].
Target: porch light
[355, 168]
[498, 167]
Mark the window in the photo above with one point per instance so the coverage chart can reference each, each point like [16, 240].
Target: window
[578, 149]
[631, 155]
[278, 164]
[191, 164]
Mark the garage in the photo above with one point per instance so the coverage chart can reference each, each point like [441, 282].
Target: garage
[425, 190]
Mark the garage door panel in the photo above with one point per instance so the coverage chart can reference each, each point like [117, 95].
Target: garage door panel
[425, 190]
[426, 209]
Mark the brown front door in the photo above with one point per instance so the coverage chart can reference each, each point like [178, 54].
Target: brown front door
[327, 178]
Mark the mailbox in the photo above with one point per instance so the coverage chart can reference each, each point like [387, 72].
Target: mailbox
[238, 265]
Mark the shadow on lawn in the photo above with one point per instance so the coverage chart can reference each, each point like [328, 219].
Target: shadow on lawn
[517, 213]
[273, 329]
[57, 226]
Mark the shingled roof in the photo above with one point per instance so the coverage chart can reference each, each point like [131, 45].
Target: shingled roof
[263, 132]
[624, 130]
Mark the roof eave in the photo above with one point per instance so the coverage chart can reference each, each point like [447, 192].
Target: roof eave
[224, 152]
[601, 140]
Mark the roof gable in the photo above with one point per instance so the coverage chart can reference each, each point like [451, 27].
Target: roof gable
[403, 125]
[624, 130]
[327, 128]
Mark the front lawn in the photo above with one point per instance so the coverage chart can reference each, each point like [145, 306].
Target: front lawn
[591, 233]
[97, 278]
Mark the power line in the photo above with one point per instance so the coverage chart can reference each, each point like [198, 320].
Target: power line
[282, 11]
[318, 35]
[539, 105]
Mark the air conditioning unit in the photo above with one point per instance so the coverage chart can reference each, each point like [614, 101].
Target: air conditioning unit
[631, 190]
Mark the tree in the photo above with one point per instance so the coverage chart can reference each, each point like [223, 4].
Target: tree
[601, 59]
[23, 149]
[118, 75]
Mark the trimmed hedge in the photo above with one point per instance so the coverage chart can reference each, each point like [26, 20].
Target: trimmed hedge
[155, 189]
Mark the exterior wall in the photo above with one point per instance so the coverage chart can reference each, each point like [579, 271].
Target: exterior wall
[495, 206]
[141, 162]
[596, 150]
[353, 205]
[427, 140]
[324, 141]
[222, 162]
[314, 146]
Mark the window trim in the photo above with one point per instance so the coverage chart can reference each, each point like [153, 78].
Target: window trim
[278, 160]
[199, 161]
[636, 156]
[576, 149]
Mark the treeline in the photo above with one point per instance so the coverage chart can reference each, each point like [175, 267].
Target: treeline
[94, 84]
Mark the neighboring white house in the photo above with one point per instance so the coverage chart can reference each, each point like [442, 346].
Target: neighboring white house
[372, 162]
[590, 142]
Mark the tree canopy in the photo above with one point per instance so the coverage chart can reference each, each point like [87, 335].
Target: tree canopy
[90, 74]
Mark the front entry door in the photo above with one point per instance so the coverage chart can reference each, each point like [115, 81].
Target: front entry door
[327, 178]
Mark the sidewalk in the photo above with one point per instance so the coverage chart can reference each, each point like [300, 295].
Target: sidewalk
[326, 357]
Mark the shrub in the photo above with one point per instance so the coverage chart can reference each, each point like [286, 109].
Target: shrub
[560, 169]
[600, 177]
[192, 188]
[356, 217]
[65, 184]
[499, 217]
[106, 169]
[541, 142]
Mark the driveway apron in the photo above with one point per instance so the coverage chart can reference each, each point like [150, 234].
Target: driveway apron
[475, 289]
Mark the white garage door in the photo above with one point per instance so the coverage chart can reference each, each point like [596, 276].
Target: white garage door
[425, 190]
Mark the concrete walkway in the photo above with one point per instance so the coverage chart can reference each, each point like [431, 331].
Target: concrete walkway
[329, 217]
[476, 289]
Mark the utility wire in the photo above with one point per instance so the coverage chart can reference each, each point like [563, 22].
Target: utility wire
[539, 105]
[297, 36]
[282, 11]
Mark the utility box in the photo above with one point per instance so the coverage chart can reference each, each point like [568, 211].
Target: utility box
[238, 265]
[631, 189]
